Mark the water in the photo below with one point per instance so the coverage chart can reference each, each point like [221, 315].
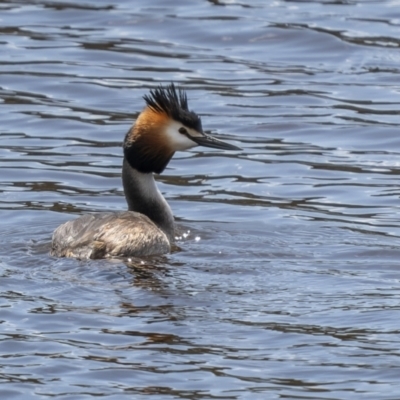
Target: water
[286, 280]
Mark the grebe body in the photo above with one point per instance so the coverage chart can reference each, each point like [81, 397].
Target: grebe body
[164, 126]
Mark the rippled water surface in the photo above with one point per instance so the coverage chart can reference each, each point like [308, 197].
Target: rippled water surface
[286, 281]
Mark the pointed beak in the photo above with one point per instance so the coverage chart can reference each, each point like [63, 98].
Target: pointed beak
[210, 141]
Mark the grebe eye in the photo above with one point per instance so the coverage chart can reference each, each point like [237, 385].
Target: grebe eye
[183, 130]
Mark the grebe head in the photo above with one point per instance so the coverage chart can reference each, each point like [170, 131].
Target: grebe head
[164, 126]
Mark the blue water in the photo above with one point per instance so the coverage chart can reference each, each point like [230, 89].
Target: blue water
[285, 283]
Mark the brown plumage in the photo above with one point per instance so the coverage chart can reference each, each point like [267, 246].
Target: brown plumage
[145, 146]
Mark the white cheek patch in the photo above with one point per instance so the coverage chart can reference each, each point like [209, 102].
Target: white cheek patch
[178, 141]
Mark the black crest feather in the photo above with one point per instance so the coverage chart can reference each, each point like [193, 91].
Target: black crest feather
[174, 103]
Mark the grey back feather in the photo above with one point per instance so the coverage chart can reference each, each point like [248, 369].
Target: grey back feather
[107, 235]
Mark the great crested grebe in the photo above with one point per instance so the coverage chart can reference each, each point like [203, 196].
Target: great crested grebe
[164, 126]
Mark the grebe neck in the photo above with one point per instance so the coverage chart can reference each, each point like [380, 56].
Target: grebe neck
[143, 196]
